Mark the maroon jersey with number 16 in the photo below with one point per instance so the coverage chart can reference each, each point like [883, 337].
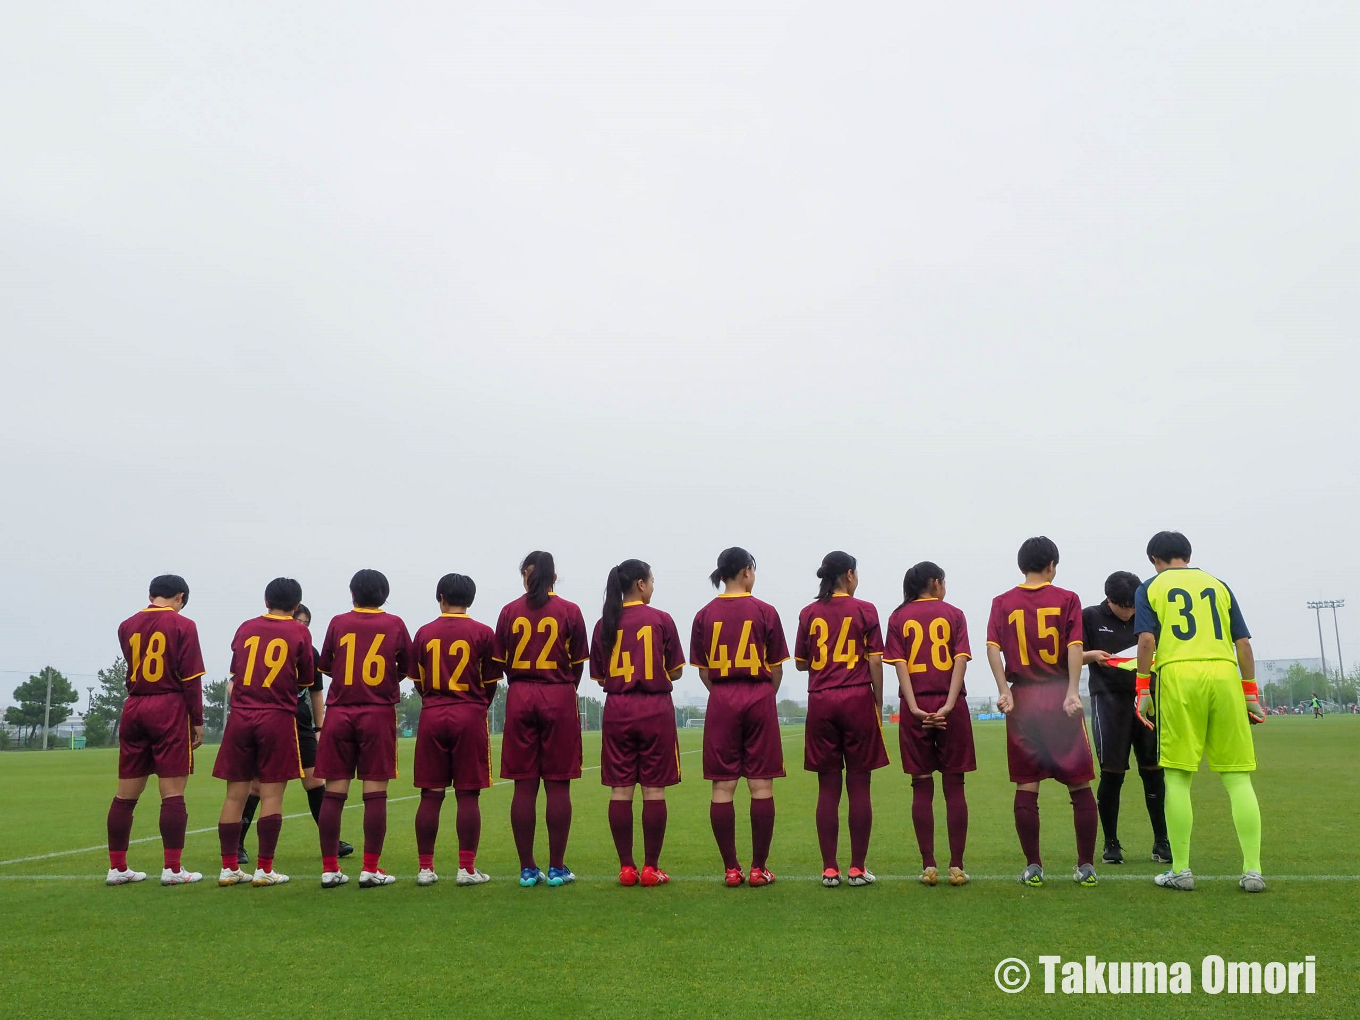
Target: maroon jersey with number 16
[1033, 626]
[640, 655]
[366, 653]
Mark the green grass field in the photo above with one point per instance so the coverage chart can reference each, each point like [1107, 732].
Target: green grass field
[73, 948]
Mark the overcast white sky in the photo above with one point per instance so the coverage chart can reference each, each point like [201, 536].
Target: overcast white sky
[298, 289]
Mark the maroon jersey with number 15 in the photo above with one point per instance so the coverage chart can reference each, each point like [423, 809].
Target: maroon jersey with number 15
[640, 655]
[737, 637]
[1033, 625]
[455, 660]
[271, 660]
[366, 653]
[163, 657]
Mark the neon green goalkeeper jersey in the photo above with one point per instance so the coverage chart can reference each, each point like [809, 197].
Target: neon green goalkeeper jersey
[1192, 614]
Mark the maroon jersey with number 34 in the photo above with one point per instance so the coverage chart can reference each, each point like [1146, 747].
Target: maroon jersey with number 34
[835, 638]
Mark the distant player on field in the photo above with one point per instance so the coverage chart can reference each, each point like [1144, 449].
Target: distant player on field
[541, 641]
[636, 655]
[839, 644]
[1206, 698]
[366, 652]
[455, 670]
[1317, 707]
[738, 645]
[1107, 629]
[162, 724]
[928, 645]
[271, 659]
[1034, 646]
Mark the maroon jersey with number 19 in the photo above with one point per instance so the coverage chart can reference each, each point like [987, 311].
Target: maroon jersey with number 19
[1033, 625]
[271, 661]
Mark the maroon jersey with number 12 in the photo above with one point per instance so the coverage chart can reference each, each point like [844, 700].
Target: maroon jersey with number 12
[640, 655]
[366, 653]
[455, 660]
[1033, 625]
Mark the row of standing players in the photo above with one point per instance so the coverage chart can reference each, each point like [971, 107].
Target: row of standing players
[540, 645]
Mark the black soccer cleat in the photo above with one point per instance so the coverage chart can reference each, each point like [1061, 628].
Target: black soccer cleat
[1114, 853]
[1161, 851]
[345, 849]
[242, 857]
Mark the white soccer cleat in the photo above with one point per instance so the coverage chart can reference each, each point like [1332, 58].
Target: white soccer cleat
[1251, 881]
[473, 877]
[180, 877]
[125, 877]
[1182, 880]
[861, 877]
[333, 879]
[426, 876]
[232, 876]
[263, 878]
[374, 879]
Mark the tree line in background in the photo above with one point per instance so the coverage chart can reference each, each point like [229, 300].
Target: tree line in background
[24, 719]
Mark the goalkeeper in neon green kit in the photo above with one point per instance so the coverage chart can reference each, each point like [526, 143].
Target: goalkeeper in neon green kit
[1206, 698]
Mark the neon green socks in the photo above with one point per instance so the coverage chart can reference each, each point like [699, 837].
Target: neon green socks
[1246, 815]
[1180, 816]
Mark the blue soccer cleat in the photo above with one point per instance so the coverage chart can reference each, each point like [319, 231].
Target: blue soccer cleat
[530, 877]
[560, 876]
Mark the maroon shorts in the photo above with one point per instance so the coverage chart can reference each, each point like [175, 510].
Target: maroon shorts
[741, 732]
[453, 746]
[1043, 741]
[844, 731]
[639, 743]
[154, 736]
[358, 738]
[947, 751]
[259, 743]
[542, 738]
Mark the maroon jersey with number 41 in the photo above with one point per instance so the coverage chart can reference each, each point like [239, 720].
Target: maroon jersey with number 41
[928, 635]
[455, 660]
[1033, 625]
[547, 645]
[163, 656]
[737, 637]
[835, 638]
[366, 653]
[640, 655]
[271, 660]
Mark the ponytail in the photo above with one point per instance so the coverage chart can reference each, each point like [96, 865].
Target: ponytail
[731, 562]
[835, 565]
[620, 582]
[539, 574]
[918, 578]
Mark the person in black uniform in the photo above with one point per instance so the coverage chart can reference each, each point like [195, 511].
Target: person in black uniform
[311, 711]
[1108, 629]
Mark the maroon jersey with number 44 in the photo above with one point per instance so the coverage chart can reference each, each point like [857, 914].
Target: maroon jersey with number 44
[737, 637]
[455, 660]
[366, 653]
[835, 638]
[547, 645]
[163, 657]
[640, 654]
[271, 660]
[1033, 625]
[928, 635]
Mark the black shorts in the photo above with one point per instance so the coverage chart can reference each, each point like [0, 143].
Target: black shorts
[1117, 729]
[307, 746]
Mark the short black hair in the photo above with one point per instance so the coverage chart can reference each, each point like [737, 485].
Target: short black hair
[1120, 586]
[456, 589]
[731, 562]
[167, 586]
[369, 588]
[283, 594]
[301, 610]
[1167, 546]
[1036, 554]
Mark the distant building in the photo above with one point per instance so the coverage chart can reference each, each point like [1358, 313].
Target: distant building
[1270, 671]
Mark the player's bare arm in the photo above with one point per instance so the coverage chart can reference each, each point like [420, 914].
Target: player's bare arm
[1072, 703]
[876, 678]
[776, 676]
[955, 686]
[1004, 701]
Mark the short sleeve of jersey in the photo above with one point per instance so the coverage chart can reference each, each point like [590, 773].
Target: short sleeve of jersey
[1144, 619]
[326, 661]
[995, 623]
[961, 636]
[697, 655]
[578, 641]
[415, 668]
[672, 648]
[893, 650]
[188, 654]
[776, 645]
[499, 641]
[306, 666]
[236, 665]
[492, 670]
[597, 663]
[1237, 626]
[800, 639]
[873, 632]
[1072, 620]
[403, 648]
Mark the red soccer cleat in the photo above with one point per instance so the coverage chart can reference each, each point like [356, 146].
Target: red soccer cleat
[628, 875]
[760, 876]
[734, 877]
[653, 876]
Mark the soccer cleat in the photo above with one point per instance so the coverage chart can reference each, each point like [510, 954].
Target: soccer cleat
[831, 877]
[861, 877]
[263, 878]
[530, 877]
[1085, 874]
[345, 849]
[242, 857]
[957, 876]
[374, 879]
[473, 877]
[332, 879]
[560, 876]
[628, 875]
[1033, 875]
[930, 876]
[1114, 853]
[124, 877]
[1182, 880]
[1251, 881]
[426, 876]
[232, 876]
[1161, 852]
[733, 878]
[653, 876]
[180, 877]
[759, 877]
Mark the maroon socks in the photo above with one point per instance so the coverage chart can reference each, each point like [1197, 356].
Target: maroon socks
[762, 830]
[267, 831]
[332, 804]
[956, 814]
[828, 817]
[621, 825]
[723, 818]
[923, 817]
[653, 831]
[469, 825]
[557, 814]
[427, 826]
[861, 811]
[1084, 817]
[1027, 824]
[523, 818]
[375, 828]
[120, 829]
[174, 820]
[229, 843]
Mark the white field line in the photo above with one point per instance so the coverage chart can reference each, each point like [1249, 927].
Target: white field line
[714, 879]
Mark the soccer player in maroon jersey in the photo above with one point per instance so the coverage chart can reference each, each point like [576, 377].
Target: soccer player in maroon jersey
[928, 645]
[738, 645]
[455, 670]
[541, 641]
[271, 658]
[840, 646]
[1034, 646]
[162, 724]
[636, 655]
[366, 653]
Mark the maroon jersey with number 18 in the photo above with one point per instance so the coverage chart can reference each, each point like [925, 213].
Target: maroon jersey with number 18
[271, 660]
[455, 660]
[163, 657]
[835, 639]
[366, 653]
[737, 637]
[640, 655]
[928, 635]
[1033, 625]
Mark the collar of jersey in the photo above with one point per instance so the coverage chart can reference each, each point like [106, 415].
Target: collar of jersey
[366, 609]
[840, 594]
[159, 609]
[454, 616]
[932, 598]
[1034, 587]
[635, 602]
[271, 616]
[736, 595]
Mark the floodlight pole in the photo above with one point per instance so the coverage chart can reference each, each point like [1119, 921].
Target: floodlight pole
[1318, 606]
[1338, 604]
[47, 708]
